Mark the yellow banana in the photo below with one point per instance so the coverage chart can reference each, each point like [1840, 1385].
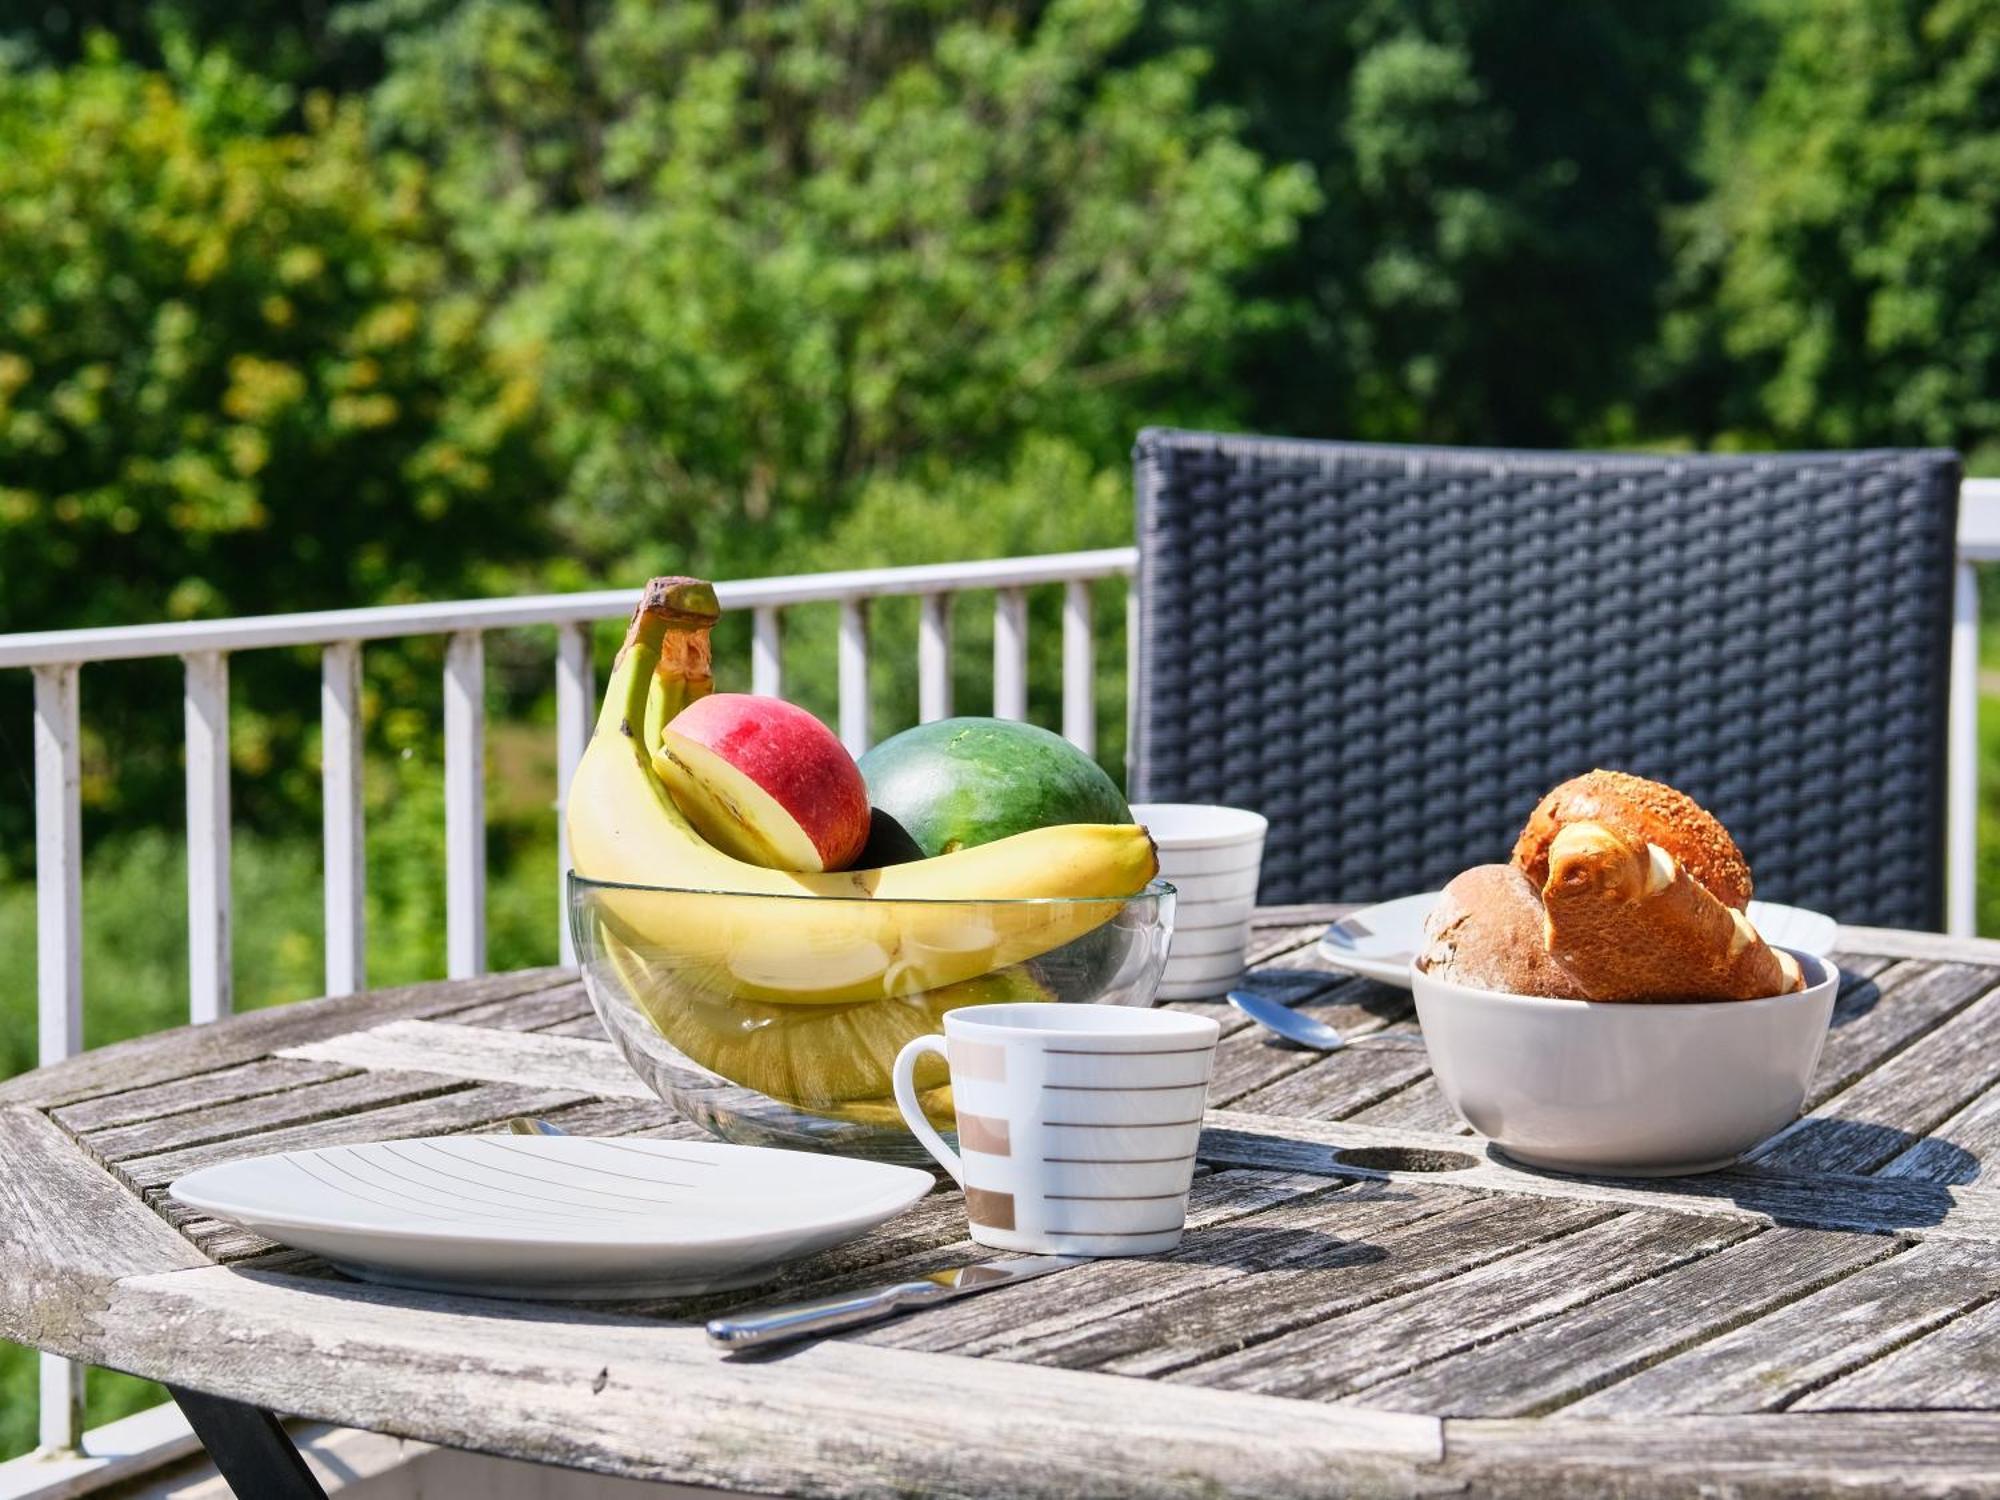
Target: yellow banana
[873, 934]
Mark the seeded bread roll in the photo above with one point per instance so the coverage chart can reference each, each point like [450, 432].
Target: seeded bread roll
[1487, 931]
[1627, 922]
[1649, 812]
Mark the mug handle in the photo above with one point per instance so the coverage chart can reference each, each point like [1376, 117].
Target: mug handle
[904, 1077]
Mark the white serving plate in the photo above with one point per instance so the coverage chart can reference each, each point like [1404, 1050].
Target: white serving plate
[1379, 941]
[556, 1217]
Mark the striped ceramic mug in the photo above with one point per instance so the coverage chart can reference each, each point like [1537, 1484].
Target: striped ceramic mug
[1077, 1123]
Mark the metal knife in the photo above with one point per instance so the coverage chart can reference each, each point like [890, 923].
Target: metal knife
[806, 1319]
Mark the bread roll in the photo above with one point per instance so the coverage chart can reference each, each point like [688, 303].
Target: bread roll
[1627, 921]
[1648, 812]
[1486, 932]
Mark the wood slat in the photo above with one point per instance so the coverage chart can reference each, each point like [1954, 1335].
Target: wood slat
[1886, 1112]
[165, 1055]
[463, 1108]
[1572, 1354]
[1861, 965]
[1854, 1455]
[1218, 1320]
[647, 1117]
[1955, 1150]
[1876, 1016]
[638, 1398]
[1952, 1368]
[1874, 1205]
[1286, 1222]
[584, 1026]
[1280, 945]
[1421, 1107]
[271, 1075]
[220, 1242]
[1340, 1355]
[534, 1058]
[1340, 1083]
[346, 1095]
[68, 1232]
[932, 1237]
[1901, 942]
[530, 1012]
[1766, 1364]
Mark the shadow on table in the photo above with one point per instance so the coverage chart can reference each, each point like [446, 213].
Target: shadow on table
[1858, 995]
[1842, 1195]
[1862, 1148]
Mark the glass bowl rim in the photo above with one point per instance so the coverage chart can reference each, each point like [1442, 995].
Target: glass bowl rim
[1151, 893]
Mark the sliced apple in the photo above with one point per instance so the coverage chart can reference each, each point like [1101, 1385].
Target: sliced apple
[765, 781]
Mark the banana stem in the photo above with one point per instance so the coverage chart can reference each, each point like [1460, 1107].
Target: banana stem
[664, 664]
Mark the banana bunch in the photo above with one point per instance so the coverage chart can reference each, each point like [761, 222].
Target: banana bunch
[871, 934]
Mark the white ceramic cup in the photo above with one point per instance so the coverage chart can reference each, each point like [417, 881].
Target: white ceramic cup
[1077, 1123]
[1212, 856]
[1625, 1090]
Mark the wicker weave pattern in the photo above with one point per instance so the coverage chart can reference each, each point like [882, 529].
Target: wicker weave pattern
[1392, 652]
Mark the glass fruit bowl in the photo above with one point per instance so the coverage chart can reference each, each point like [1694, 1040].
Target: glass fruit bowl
[774, 1020]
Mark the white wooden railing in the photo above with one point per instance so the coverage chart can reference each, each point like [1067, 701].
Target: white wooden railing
[57, 658]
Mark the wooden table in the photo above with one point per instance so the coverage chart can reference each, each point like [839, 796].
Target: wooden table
[1366, 1301]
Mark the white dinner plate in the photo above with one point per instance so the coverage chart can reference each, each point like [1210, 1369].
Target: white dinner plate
[1379, 941]
[562, 1217]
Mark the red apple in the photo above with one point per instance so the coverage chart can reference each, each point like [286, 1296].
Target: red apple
[766, 782]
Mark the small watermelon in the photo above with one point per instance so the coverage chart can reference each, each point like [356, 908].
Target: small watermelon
[957, 783]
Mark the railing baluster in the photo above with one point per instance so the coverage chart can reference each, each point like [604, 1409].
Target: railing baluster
[61, 1416]
[344, 856]
[465, 804]
[1010, 654]
[1962, 758]
[854, 675]
[767, 669]
[207, 714]
[58, 864]
[58, 959]
[575, 688]
[1079, 682]
[934, 659]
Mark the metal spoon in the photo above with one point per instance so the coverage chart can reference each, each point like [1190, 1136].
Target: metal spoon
[531, 1125]
[1274, 1015]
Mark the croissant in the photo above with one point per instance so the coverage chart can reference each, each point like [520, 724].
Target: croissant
[1627, 921]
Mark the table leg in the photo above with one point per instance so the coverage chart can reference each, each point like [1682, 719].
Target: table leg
[249, 1447]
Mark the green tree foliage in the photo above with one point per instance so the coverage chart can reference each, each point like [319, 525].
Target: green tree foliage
[1487, 261]
[237, 374]
[759, 255]
[1839, 283]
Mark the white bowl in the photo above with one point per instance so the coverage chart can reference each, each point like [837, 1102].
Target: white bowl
[1619, 1090]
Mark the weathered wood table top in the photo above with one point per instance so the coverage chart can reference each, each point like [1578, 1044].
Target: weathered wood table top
[1365, 1302]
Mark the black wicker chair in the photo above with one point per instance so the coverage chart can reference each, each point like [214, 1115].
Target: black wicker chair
[1392, 652]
